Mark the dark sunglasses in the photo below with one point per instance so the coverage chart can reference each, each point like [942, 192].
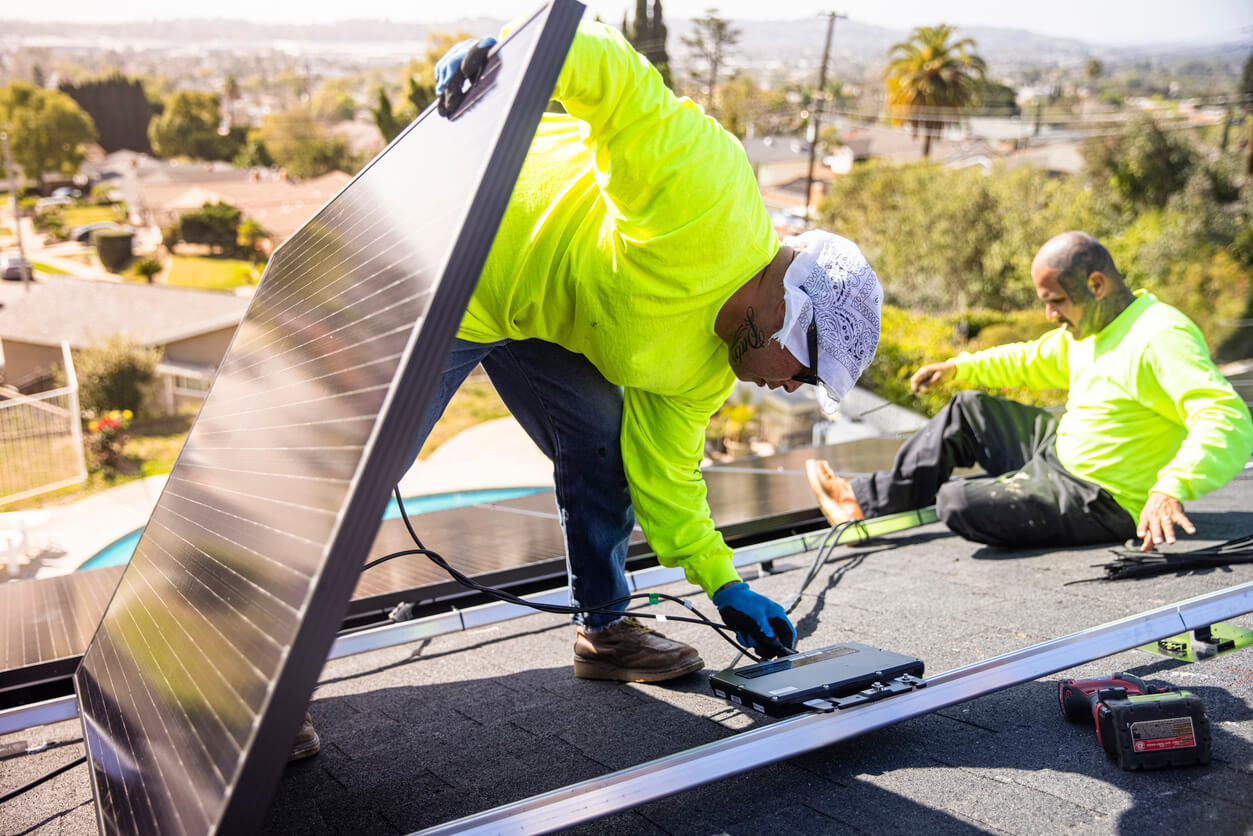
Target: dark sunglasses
[810, 375]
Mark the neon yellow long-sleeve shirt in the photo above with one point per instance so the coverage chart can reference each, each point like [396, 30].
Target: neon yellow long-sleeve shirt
[1147, 409]
[634, 219]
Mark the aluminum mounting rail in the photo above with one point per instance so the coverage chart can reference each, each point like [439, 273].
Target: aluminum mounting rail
[665, 776]
[389, 635]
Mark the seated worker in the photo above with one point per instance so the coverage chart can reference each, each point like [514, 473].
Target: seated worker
[634, 277]
[1149, 424]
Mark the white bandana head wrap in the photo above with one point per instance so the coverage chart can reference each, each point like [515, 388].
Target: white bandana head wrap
[830, 282]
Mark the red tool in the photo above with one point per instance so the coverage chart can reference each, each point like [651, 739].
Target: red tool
[1137, 724]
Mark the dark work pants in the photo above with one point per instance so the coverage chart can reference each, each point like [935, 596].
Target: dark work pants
[574, 415]
[1027, 498]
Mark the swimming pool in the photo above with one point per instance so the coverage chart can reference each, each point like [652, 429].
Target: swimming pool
[121, 549]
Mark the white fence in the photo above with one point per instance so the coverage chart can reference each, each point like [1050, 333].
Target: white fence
[41, 440]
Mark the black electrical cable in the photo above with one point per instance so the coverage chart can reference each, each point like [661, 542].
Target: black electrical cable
[1130, 562]
[609, 608]
[12, 794]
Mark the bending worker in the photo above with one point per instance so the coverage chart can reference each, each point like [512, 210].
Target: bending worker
[634, 277]
[1150, 423]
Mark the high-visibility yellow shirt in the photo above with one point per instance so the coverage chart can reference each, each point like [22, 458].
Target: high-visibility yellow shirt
[634, 219]
[1147, 411]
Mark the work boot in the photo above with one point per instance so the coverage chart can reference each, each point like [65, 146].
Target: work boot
[835, 494]
[307, 743]
[630, 652]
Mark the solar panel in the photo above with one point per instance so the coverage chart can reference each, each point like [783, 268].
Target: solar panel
[194, 685]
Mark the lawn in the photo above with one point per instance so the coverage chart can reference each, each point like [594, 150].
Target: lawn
[211, 272]
[79, 215]
[48, 269]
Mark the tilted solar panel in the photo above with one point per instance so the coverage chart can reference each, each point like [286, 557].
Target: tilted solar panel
[199, 673]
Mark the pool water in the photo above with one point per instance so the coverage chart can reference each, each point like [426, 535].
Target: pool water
[121, 549]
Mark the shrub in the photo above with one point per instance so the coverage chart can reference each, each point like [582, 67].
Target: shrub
[106, 441]
[214, 224]
[147, 268]
[909, 340]
[51, 222]
[116, 373]
[113, 246]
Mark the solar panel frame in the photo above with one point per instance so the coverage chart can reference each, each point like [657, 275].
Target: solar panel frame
[128, 761]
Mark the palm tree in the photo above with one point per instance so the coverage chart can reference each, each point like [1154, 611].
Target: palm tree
[928, 77]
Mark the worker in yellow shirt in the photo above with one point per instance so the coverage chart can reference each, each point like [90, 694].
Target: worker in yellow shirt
[634, 277]
[1149, 423]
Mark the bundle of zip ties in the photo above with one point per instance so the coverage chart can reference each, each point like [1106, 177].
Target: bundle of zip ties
[1130, 562]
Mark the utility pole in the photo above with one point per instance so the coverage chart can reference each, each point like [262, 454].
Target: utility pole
[815, 111]
[17, 212]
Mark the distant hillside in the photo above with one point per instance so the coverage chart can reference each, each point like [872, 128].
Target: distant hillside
[781, 44]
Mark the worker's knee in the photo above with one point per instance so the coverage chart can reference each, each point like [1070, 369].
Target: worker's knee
[992, 510]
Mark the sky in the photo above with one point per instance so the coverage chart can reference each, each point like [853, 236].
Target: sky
[1098, 21]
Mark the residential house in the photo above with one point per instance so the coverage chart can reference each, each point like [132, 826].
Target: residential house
[193, 328]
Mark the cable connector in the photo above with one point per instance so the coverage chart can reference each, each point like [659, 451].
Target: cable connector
[401, 612]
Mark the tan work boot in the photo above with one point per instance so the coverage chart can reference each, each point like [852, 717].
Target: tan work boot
[835, 494]
[307, 743]
[630, 652]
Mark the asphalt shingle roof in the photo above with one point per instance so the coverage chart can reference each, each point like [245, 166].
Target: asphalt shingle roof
[81, 311]
[422, 733]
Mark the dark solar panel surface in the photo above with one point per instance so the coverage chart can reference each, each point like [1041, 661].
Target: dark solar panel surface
[45, 624]
[194, 685]
[511, 541]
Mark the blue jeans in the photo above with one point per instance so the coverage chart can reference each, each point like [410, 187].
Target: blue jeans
[574, 415]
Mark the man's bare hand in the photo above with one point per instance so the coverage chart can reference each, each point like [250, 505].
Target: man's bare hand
[931, 376]
[1158, 520]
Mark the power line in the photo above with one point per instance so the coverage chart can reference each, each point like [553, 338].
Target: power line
[815, 112]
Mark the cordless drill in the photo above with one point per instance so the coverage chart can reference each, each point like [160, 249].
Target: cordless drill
[1138, 725]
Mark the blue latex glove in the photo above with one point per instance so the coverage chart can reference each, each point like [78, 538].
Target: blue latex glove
[447, 65]
[757, 621]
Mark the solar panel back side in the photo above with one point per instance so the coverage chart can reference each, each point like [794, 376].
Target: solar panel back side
[194, 684]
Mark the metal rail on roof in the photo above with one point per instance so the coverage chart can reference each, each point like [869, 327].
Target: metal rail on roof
[390, 635]
[665, 776]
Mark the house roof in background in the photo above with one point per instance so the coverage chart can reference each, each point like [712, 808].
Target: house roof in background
[81, 311]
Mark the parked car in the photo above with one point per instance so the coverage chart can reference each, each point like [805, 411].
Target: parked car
[14, 267]
[45, 203]
[67, 191]
[82, 234]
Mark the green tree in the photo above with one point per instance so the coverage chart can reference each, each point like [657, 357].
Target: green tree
[943, 241]
[47, 130]
[647, 33]
[385, 118]
[713, 39]
[303, 144]
[189, 127]
[930, 79]
[1143, 164]
[1094, 69]
[119, 108]
[254, 154]
[998, 98]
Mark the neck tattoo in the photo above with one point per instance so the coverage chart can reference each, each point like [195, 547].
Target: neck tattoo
[747, 336]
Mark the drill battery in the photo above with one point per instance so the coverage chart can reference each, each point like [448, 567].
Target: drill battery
[1149, 731]
[1138, 725]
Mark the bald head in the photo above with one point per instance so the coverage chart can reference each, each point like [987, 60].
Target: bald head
[1077, 281]
[1075, 256]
